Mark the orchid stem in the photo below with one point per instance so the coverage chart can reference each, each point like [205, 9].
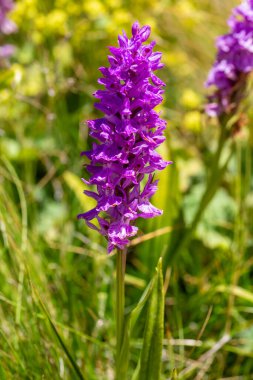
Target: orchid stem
[120, 306]
[214, 179]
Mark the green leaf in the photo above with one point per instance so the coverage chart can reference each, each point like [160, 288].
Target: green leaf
[6, 76]
[129, 324]
[236, 291]
[149, 366]
[219, 213]
[77, 186]
[2, 373]
[56, 332]
[135, 281]
[174, 374]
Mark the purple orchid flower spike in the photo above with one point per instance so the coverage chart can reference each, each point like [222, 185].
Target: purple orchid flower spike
[233, 63]
[127, 136]
[6, 27]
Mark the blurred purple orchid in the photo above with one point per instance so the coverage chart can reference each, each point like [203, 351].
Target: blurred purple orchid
[234, 62]
[6, 27]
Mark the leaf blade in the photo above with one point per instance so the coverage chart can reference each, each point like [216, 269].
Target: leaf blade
[149, 366]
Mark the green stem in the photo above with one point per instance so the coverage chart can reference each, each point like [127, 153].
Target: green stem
[214, 179]
[120, 306]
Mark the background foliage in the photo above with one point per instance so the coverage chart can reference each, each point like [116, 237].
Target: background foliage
[56, 288]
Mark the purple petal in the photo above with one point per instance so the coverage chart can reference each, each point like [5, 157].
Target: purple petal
[88, 215]
[148, 210]
[107, 202]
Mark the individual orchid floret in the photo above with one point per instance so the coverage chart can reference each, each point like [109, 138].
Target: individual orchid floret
[233, 63]
[128, 134]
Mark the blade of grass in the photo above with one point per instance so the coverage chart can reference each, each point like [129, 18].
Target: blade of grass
[55, 331]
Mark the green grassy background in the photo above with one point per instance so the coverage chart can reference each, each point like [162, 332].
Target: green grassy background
[56, 280]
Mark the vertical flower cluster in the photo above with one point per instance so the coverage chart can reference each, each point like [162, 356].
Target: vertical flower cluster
[233, 63]
[6, 27]
[127, 136]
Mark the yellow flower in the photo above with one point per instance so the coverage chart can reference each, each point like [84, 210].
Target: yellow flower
[190, 99]
[192, 121]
